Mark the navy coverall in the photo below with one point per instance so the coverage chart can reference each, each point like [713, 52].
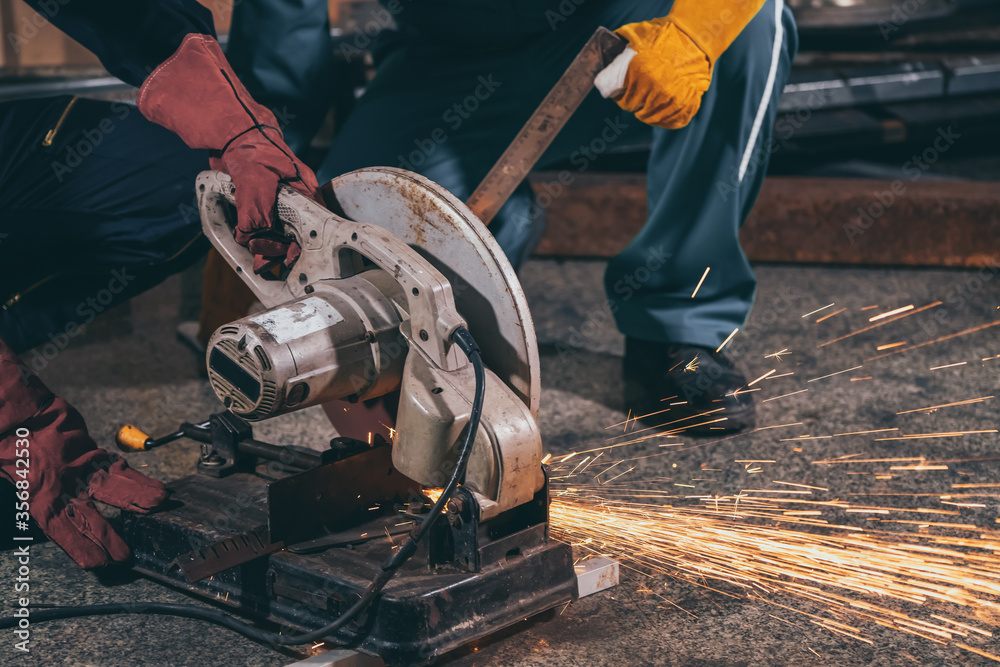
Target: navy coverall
[96, 202]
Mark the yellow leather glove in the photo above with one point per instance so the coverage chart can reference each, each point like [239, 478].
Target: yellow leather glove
[667, 66]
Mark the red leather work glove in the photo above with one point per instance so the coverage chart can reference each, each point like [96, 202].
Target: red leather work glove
[58, 471]
[196, 95]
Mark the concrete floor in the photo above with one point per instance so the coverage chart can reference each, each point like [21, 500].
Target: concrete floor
[129, 368]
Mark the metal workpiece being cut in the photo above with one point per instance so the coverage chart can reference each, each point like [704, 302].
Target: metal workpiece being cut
[376, 304]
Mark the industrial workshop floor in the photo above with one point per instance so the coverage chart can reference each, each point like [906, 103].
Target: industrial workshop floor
[129, 368]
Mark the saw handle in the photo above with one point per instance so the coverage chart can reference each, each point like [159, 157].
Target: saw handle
[216, 203]
[324, 237]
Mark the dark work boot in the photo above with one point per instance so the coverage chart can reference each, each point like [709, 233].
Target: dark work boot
[691, 389]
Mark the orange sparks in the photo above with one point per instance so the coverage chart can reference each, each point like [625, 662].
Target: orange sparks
[804, 486]
[698, 286]
[964, 332]
[946, 434]
[878, 430]
[826, 317]
[817, 310]
[823, 377]
[774, 398]
[728, 338]
[777, 355]
[765, 375]
[844, 567]
[842, 579]
[883, 322]
[991, 656]
[947, 405]
[937, 368]
[890, 313]
[764, 428]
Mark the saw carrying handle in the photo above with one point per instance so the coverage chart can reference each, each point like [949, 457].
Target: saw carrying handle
[326, 240]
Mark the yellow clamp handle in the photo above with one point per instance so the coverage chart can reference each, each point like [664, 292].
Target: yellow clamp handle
[130, 439]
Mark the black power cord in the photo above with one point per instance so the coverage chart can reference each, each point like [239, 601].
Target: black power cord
[467, 343]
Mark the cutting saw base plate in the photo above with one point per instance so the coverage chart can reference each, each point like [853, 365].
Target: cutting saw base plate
[421, 615]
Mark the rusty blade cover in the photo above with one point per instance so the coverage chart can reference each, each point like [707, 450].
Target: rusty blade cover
[544, 124]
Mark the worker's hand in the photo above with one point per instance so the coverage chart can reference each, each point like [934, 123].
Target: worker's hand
[257, 164]
[667, 66]
[58, 471]
[196, 94]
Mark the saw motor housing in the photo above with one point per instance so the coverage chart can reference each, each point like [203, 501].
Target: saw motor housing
[341, 343]
[362, 314]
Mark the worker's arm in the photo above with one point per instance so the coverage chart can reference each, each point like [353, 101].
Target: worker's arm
[667, 66]
[168, 49]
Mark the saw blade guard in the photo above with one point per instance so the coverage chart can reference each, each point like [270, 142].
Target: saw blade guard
[363, 313]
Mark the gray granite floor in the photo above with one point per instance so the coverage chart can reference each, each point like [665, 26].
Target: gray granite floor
[129, 368]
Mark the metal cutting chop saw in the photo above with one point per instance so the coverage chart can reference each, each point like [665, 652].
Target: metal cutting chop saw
[394, 276]
[295, 535]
